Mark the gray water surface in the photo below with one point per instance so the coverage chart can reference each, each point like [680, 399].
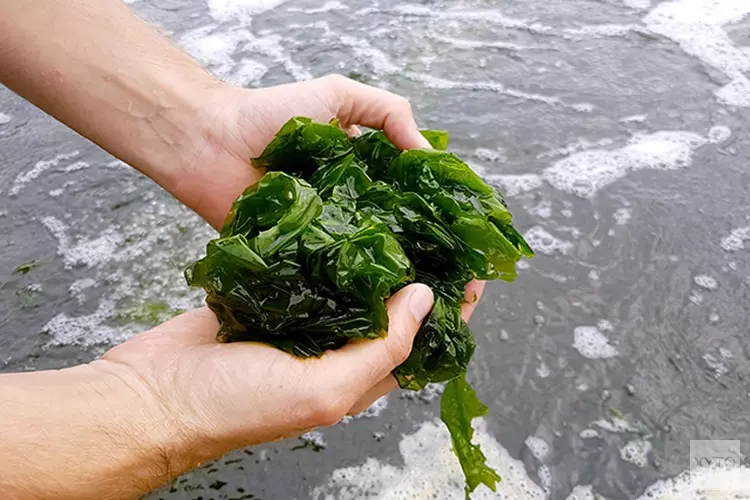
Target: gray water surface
[617, 127]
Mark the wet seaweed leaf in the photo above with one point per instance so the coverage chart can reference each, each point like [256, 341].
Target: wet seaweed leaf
[309, 254]
[438, 139]
[458, 407]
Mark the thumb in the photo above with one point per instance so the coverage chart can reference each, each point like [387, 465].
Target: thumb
[364, 363]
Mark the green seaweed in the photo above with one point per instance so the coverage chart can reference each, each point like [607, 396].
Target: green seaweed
[309, 254]
[27, 268]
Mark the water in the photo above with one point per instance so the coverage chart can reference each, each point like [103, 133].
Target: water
[618, 130]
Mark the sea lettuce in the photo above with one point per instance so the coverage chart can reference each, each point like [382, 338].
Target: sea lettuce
[309, 254]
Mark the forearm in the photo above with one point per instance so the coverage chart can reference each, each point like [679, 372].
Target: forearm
[97, 68]
[85, 432]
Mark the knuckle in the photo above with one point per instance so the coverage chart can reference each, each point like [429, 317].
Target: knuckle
[326, 410]
[403, 103]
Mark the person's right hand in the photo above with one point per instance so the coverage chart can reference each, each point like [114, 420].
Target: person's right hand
[206, 398]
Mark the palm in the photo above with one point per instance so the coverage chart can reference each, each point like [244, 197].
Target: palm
[238, 386]
[247, 122]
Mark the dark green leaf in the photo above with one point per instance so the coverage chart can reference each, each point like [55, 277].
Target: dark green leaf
[459, 406]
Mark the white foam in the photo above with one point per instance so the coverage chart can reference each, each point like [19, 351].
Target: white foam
[215, 49]
[622, 216]
[636, 452]
[89, 329]
[543, 370]
[736, 239]
[702, 483]
[430, 470]
[537, 446]
[270, 45]
[735, 93]
[87, 252]
[38, 169]
[56, 193]
[592, 344]
[716, 365]
[375, 410]
[248, 72]
[719, 133]
[706, 282]
[490, 155]
[513, 185]
[241, 10]
[575, 147]
[543, 209]
[77, 288]
[583, 174]
[584, 492]
[73, 167]
[588, 434]
[315, 438]
[543, 242]
[329, 6]
[634, 119]
[605, 325]
[375, 58]
[489, 86]
[594, 275]
[697, 26]
[637, 4]
[427, 395]
[545, 477]
[5, 118]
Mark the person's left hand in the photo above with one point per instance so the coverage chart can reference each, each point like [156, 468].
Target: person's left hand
[242, 122]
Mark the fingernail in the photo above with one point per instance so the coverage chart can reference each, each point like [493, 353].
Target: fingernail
[420, 302]
[425, 144]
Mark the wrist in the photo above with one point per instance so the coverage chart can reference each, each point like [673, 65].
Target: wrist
[158, 442]
[82, 431]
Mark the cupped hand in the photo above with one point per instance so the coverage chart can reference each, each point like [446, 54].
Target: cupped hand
[241, 122]
[218, 397]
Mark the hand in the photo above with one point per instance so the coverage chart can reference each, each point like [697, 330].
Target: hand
[219, 397]
[242, 122]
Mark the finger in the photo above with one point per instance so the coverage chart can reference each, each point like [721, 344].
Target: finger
[358, 366]
[376, 392]
[359, 104]
[473, 293]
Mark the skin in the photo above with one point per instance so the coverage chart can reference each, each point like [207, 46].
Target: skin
[172, 398]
